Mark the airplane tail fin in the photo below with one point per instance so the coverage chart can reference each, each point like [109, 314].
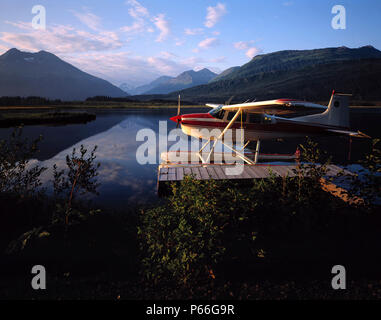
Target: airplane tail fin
[337, 113]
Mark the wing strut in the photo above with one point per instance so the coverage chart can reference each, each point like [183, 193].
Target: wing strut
[240, 155]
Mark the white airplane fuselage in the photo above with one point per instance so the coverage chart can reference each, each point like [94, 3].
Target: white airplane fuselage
[203, 125]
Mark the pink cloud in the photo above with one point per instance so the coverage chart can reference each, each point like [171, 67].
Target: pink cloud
[208, 42]
[214, 14]
[162, 24]
[61, 39]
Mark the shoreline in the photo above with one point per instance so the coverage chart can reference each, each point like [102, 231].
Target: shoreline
[127, 107]
[11, 119]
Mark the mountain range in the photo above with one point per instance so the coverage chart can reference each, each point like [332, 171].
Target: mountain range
[166, 84]
[44, 74]
[301, 74]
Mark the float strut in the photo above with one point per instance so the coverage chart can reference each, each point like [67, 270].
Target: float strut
[257, 151]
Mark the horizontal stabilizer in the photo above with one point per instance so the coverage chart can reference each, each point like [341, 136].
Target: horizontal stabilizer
[356, 134]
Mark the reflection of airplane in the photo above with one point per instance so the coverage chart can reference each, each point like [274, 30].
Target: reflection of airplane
[260, 120]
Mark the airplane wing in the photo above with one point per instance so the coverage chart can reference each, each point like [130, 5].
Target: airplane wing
[275, 106]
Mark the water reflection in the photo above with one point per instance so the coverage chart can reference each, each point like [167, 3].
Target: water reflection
[124, 182]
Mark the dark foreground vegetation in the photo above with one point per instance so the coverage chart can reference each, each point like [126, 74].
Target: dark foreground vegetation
[277, 238]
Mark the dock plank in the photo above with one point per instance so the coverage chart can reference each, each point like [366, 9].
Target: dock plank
[279, 170]
[260, 171]
[196, 173]
[180, 173]
[187, 171]
[220, 172]
[204, 173]
[168, 173]
[212, 173]
[172, 174]
[163, 174]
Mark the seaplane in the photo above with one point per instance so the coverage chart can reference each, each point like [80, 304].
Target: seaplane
[265, 120]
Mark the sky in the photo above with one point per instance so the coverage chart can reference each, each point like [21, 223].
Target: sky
[134, 42]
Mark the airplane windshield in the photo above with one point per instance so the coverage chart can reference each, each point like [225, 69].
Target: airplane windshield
[217, 112]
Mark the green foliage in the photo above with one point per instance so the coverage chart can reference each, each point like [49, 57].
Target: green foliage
[185, 239]
[17, 175]
[366, 184]
[78, 180]
[206, 225]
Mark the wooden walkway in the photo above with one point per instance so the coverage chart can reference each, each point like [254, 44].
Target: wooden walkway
[168, 173]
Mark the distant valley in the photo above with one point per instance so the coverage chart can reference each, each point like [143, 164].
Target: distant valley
[166, 84]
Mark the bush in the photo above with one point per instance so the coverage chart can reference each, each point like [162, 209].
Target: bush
[78, 180]
[207, 229]
[186, 239]
[17, 176]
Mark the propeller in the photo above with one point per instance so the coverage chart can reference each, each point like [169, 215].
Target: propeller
[178, 113]
[230, 100]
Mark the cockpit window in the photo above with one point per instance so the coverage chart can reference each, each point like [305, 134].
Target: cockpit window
[238, 119]
[217, 112]
[259, 118]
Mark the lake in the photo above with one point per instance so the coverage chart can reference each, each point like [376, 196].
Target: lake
[124, 182]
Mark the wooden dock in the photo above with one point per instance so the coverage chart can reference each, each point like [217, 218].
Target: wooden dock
[168, 173]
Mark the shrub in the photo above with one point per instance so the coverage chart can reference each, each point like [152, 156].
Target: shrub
[17, 175]
[185, 239]
[366, 184]
[79, 179]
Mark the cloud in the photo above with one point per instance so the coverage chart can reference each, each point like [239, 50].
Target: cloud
[218, 59]
[193, 61]
[137, 11]
[136, 27]
[60, 39]
[288, 3]
[252, 52]
[179, 42]
[242, 45]
[89, 19]
[193, 32]
[119, 67]
[139, 15]
[167, 55]
[214, 14]
[163, 26]
[208, 43]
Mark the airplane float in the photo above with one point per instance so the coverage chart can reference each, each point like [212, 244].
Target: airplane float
[262, 120]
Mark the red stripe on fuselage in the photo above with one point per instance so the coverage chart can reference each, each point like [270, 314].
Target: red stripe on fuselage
[197, 115]
[276, 127]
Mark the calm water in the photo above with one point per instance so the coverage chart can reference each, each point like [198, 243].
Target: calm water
[123, 180]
